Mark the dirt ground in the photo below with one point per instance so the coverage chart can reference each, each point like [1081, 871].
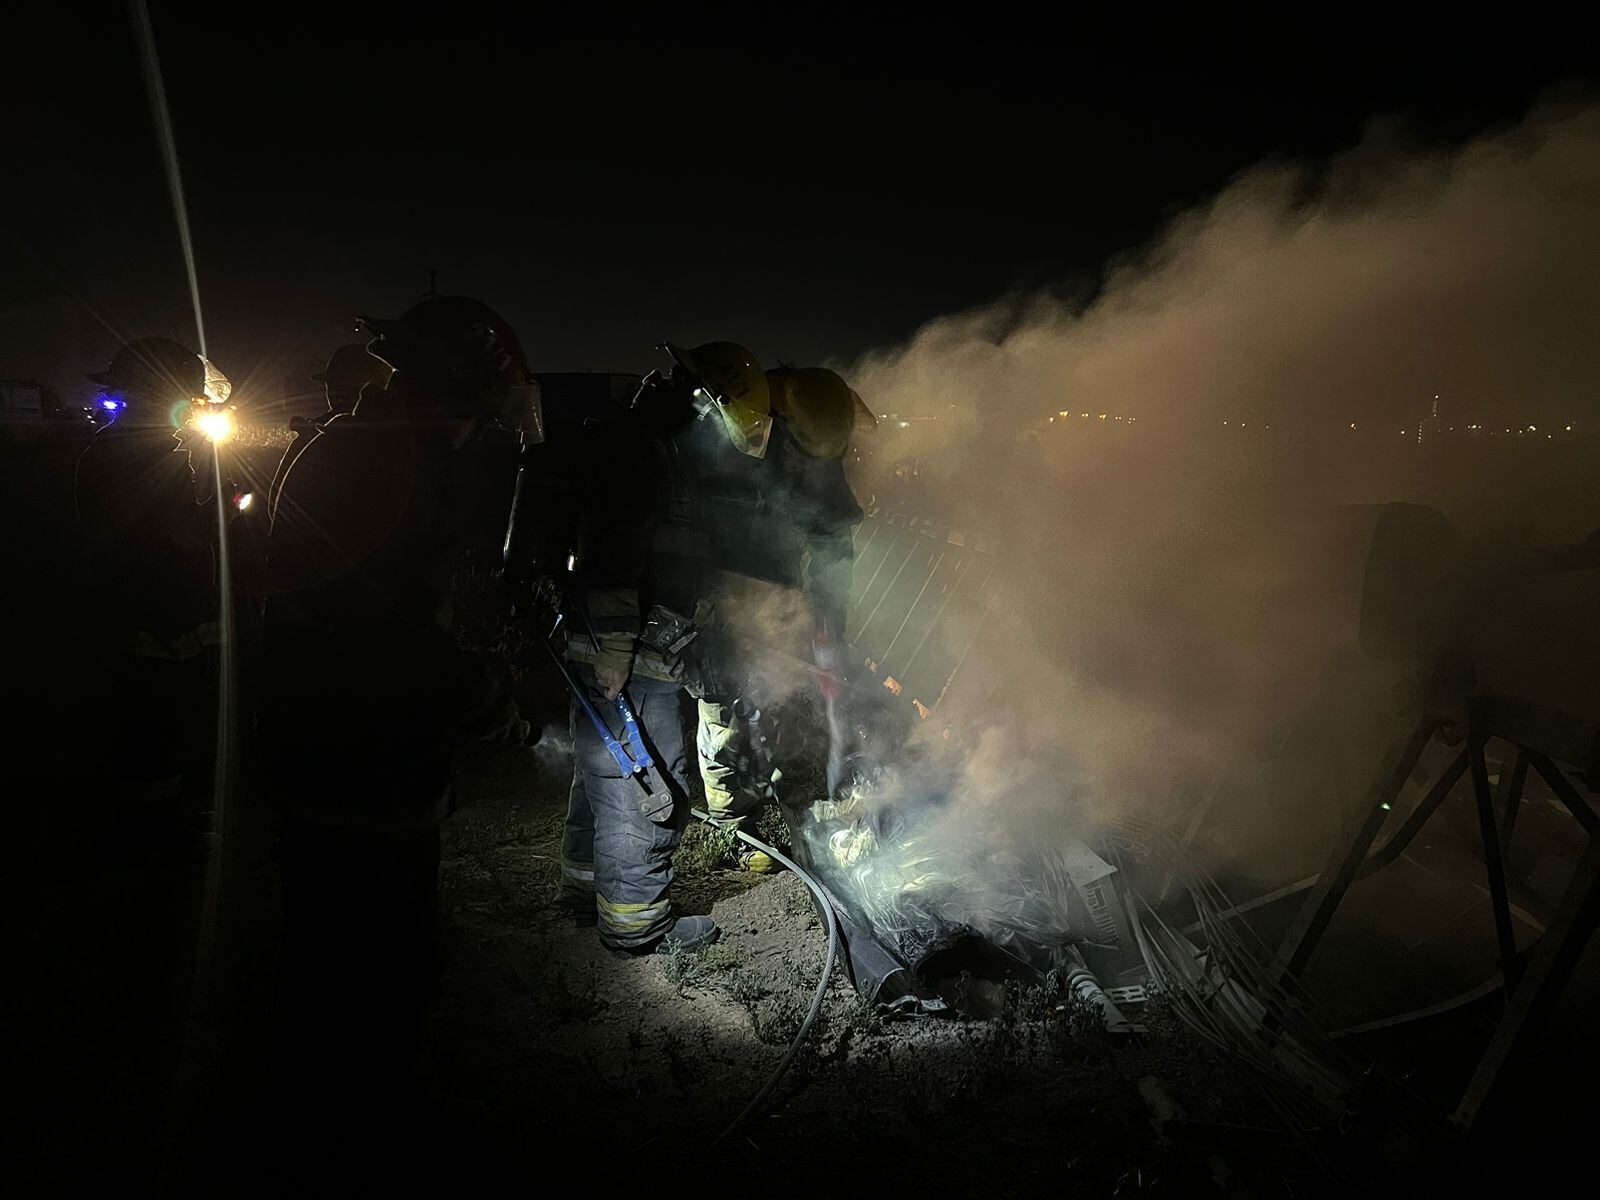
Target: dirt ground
[577, 1060]
[636, 1063]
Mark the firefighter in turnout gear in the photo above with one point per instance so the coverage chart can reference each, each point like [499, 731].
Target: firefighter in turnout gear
[723, 517]
[151, 571]
[580, 527]
[367, 693]
[783, 539]
[712, 416]
[622, 829]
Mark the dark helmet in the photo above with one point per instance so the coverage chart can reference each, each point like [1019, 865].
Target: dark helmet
[467, 351]
[351, 366]
[155, 368]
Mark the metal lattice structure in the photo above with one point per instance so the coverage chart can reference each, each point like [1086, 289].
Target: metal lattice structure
[920, 601]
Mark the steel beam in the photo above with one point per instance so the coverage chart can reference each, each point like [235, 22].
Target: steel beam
[1499, 899]
[1550, 965]
[1335, 880]
[1508, 795]
[1566, 793]
[1437, 791]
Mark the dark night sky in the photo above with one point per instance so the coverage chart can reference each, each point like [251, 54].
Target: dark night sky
[819, 186]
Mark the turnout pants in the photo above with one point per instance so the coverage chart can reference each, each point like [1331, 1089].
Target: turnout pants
[734, 731]
[735, 765]
[619, 838]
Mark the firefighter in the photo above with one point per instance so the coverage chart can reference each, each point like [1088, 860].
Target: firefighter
[619, 840]
[150, 571]
[350, 368]
[745, 492]
[796, 516]
[367, 693]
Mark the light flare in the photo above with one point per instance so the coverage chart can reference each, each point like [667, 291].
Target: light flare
[217, 424]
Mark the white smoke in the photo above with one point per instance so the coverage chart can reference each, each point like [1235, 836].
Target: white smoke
[553, 751]
[1168, 607]
[1307, 297]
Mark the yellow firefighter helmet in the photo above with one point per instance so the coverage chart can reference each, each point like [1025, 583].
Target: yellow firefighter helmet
[821, 409]
[727, 377]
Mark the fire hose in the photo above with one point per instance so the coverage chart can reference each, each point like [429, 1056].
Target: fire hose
[779, 1071]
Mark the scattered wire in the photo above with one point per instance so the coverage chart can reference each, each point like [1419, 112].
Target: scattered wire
[1232, 996]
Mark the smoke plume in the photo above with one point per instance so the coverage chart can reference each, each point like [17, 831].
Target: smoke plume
[1176, 607]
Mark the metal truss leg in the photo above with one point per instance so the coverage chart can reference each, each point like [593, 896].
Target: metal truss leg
[1549, 967]
[1318, 909]
[1508, 800]
[1566, 794]
[1488, 828]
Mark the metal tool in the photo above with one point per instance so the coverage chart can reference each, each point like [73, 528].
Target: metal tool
[634, 760]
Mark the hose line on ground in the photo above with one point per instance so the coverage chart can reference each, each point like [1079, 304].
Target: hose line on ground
[776, 1077]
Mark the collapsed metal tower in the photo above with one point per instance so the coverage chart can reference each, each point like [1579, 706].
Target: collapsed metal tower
[922, 598]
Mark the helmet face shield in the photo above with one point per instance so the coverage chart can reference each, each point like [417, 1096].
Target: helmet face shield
[522, 412]
[749, 434]
[724, 378]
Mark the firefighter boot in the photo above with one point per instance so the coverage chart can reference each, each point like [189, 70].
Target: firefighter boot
[689, 934]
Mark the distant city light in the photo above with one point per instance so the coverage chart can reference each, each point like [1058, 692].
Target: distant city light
[1105, 416]
[1426, 430]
